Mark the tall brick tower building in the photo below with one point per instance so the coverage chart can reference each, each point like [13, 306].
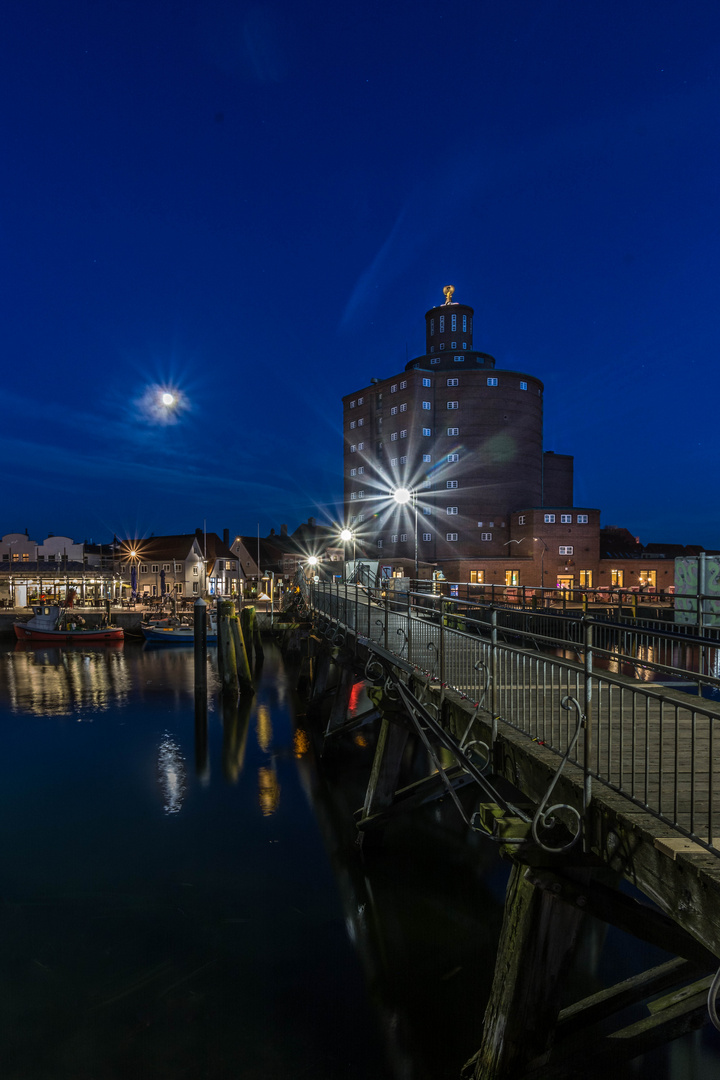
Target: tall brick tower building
[465, 438]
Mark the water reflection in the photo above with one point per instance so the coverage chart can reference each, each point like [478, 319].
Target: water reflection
[171, 774]
[53, 681]
[268, 789]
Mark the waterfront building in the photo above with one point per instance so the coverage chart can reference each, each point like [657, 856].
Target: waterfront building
[459, 441]
[188, 565]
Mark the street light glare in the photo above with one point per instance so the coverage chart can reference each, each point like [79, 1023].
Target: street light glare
[401, 495]
[346, 535]
[313, 560]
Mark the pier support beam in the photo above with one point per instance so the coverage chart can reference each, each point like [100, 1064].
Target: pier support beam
[539, 934]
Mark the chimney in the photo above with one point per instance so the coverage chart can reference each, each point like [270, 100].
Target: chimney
[311, 521]
[199, 534]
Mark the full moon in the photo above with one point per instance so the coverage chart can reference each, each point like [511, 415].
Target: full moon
[167, 399]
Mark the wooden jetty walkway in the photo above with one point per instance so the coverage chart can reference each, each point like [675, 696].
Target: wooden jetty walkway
[581, 773]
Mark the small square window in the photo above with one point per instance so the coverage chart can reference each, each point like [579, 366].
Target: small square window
[427, 457]
[393, 461]
[451, 536]
[435, 360]
[352, 404]
[486, 536]
[453, 431]
[451, 483]
[567, 550]
[361, 446]
[353, 448]
[427, 382]
[353, 472]
[453, 457]
[427, 536]
[550, 519]
[523, 386]
[458, 359]
[352, 424]
[361, 470]
[393, 388]
[452, 382]
[360, 422]
[453, 404]
[442, 346]
[427, 511]
[451, 510]
[453, 344]
[492, 382]
[582, 519]
[403, 434]
[426, 405]
[565, 519]
[393, 411]
[403, 407]
[360, 400]
[403, 537]
[393, 437]
[403, 384]
[394, 538]
[521, 519]
[353, 495]
[427, 431]
[379, 543]
[403, 460]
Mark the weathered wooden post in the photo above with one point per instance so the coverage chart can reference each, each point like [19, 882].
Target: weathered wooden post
[242, 664]
[246, 626]
[256, 639]
[227, 657]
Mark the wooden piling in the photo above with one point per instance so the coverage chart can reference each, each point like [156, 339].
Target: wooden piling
[246, 626]
[227, 656]
[241, 657]
[538, 937]
[256, 638]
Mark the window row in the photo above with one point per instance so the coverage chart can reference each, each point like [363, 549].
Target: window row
[565, 519]
[359, 402]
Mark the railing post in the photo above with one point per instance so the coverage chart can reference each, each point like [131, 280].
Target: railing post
[409, 626]
[441, 658]
[588, 663]
[493, 674]
[387, 620]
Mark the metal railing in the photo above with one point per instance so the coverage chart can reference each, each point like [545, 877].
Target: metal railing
[650, 742]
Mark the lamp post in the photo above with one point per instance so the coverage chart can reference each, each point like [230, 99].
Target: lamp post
[542, 561]
[346, 535]
[402, 497]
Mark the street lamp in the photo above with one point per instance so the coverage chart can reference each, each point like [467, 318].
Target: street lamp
[312, 563]
[542, 561]
[346, 535]
[402, 497]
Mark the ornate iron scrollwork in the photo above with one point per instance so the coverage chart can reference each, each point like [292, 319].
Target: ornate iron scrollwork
[544, 818]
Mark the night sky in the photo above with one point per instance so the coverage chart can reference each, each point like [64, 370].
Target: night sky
[252, 205]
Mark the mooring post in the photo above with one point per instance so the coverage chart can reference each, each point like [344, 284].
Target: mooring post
[227, 661]
[538, 936]
[255, 636]
[246, 627]
[242, 664]
[200, 640]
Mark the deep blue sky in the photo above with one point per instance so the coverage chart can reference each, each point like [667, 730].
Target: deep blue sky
[255, 203]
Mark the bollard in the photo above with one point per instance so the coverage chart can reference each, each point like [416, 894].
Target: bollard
[256, 639]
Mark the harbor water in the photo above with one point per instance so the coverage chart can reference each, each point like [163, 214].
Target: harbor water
[183, 895]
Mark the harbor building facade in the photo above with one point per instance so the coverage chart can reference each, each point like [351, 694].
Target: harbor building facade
[461, 440]
[465, 439]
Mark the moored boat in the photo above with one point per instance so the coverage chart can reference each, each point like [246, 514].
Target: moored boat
[50, 622]
[172, 632]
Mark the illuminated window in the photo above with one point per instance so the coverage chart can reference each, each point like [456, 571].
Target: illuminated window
[394, 538]
[458, 359]
[586, 579]
[403, 434]
[523, 386]
[403, 407]
[426, 405]
[492, 382]
[512, 577]
[453, 431]
[442, 345]
[521, 519]
[403, 537]
[393, 461]
[477, 577]
[361, 470]
[453, 322]
[361, 446]
[566, 549]
[403, 384]
[441, 324]
[352, 404]
[353, 448]
[427, 431]
[393, 388]
[453, 457]
[451, 536]
[427, 511]
[464, 324]
[360, 422]
[352, 424]
[393, 411]
[452, 483]
[353, 495]
[403, 460]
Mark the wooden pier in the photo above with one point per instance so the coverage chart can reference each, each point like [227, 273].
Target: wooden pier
[570, 838]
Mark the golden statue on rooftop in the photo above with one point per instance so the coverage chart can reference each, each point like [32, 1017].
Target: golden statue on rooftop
[448, 292]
